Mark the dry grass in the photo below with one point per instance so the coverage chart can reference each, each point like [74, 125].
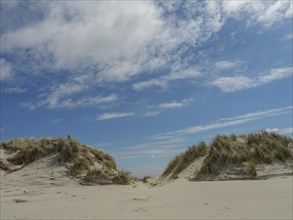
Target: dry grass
[103, 177]
[79, 158]
[106, 159]
[179, 163]
[145, 179]
[97, 177]
[5, 165]
[261, 147]
[80, 166]
[252, 149]
[250, 167]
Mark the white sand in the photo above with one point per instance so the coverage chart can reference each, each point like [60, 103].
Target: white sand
[43, 190]
[30, 194]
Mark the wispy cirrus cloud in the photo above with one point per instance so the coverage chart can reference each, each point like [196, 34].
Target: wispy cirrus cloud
[234, 83]
[288, 131]
[164, 81]
[225, 65]
[53, 103]
[65, 36]
[114, 115]
[149, 83]
[152, 114]
[228, 122]
[288, 37]
[154, 148]
[266, 13]
[6, 71]
[64, 39]
[238, 83]
[170, 105]
[15, 90]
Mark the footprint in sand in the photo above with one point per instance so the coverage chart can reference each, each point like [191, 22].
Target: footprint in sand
[141, 209]
[20, 200]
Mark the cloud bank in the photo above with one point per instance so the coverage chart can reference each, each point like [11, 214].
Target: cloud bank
[111, 42]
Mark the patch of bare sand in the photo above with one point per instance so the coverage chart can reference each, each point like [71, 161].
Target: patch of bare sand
[180, 199]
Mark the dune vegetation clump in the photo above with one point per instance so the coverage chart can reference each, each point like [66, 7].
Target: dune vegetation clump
[250, 168]
[245, 151]
[81, 160]
[179, 163]
[5, 165]
[258, 148]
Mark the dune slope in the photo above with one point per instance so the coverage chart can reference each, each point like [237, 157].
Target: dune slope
[257, 155]
[68, 157]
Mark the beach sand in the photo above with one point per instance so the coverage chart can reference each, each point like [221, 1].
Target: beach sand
[31, 194]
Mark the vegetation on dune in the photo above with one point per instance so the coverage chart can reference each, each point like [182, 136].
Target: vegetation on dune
[103, 176]
[5, 165]
[81, 159]
[179, 163]
[246, 151]
[258, 148]
[250, 168]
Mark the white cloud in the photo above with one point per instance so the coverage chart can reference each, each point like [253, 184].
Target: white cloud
[261, 114]
[172, 105]
[266, 13]
[6, 70]
[114, 115]
[275, 74]
[234, 7]
[227, 122]
[15, 90]
[271, 129]
[118, 39]
[225, 65]
[238, 83]
[115, 41]
[148, 84]
[54, 103]
[152, 114]
[286, 131]
[235, 83]
[163, 81]
[157, 148]
[86, 101]
[275, 12]
[288, 37]
[184, 74]
[181, 104]
[79, 34]
[71, 94]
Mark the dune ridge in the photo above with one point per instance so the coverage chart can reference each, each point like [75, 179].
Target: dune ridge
[61, 179]
[78, 161]
[253, 156]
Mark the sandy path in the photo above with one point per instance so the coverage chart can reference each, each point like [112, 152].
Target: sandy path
[265, 199]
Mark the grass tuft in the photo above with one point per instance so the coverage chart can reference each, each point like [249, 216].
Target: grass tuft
[79, 158]
[252, 149]
[179, 163]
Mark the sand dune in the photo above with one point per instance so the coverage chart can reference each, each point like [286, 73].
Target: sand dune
[42, 190]
[41, 187]
[259, 155]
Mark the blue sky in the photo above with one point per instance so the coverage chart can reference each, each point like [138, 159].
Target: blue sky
[145, 80]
